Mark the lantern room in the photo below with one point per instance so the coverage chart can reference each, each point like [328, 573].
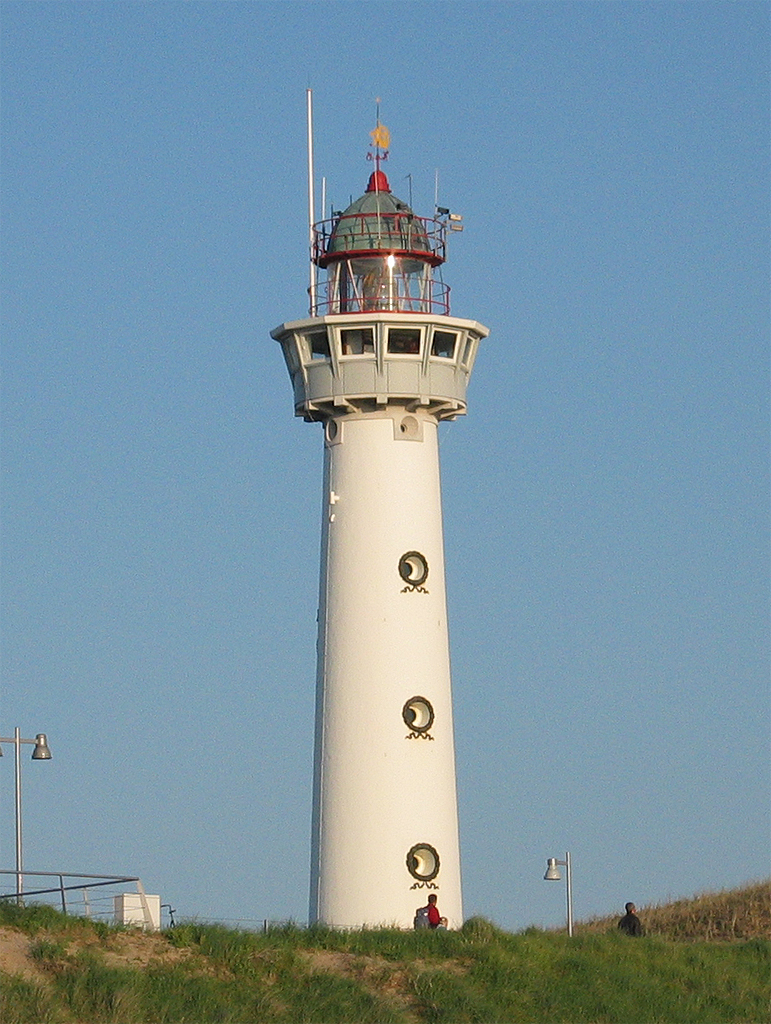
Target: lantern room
[379, 257]
[380, 332]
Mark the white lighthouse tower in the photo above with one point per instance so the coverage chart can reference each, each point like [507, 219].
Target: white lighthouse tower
[380, 363]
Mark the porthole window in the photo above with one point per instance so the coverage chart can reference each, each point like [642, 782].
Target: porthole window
[413, 568]
[409, 427]
[423, 862]
[418, 714]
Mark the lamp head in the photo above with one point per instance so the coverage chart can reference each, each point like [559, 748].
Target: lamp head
[552, 871]
[41, 751]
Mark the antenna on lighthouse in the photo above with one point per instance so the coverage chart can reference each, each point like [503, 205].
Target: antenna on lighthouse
[311, 202]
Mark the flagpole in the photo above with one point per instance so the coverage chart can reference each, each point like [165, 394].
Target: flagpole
[311, 202]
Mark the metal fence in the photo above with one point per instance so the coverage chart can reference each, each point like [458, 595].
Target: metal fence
[80, 894]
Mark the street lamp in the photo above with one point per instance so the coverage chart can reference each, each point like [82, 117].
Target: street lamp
[40, 753]
[553, 875]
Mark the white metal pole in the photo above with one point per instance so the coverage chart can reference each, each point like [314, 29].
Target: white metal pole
[569, 872]
[17, 755]
[311, 203]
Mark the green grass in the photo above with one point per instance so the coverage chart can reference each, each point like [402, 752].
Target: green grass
[196, 974]
[714, 916]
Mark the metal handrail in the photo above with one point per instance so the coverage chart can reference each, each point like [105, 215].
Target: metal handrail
[62, 888]
[409, 229]
[324, 301]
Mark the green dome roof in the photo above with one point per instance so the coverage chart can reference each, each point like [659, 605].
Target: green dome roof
[378, 223]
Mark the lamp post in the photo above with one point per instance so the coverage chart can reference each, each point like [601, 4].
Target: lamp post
[40, 753]
[553, 875]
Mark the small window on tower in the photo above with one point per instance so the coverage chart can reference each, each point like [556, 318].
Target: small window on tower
[413, 568]
[290, 354]
[423, 862]
[357, 342]
[468, 352]
[418, 714]
[404, 341]
[319, 343]
[443, 344]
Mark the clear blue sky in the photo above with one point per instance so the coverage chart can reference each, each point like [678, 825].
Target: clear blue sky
[606, 499]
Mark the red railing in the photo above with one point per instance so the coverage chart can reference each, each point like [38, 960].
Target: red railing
[436, 300]
[379, 232]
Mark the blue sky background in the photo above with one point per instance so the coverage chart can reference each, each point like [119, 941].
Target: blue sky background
[606, 498]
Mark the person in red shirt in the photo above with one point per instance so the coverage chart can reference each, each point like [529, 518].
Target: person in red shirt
[434, 918]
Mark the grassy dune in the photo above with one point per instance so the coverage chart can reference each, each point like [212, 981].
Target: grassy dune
[711, 917]
[704, 960]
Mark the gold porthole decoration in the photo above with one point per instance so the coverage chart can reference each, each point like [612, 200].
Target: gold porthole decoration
[418, 715]
[423, 865]
[413, 569]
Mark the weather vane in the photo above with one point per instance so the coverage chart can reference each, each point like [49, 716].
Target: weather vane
[381, 140]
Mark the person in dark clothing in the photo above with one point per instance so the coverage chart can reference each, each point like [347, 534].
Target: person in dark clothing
[630, 923]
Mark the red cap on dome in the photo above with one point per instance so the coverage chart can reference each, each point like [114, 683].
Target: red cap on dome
[378, 182]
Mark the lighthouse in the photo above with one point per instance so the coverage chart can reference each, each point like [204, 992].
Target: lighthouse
[380, 363]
